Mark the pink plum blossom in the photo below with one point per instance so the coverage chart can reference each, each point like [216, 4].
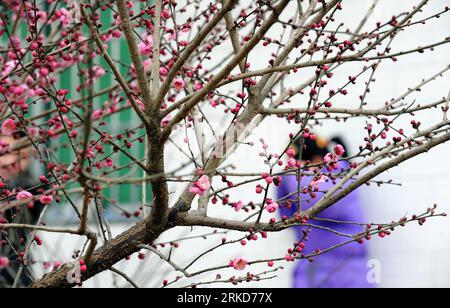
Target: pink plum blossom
[292, 163]
[108, 163]
[201, 186]
[24, 195]
[46, 199]
[239, 263]
[4, 263]
[179, 84]
[97, 114]
[269, 180]
[238, 206]
[272, 207]
[8, 127]
[98, 71]
[146, 47]
[328, 158]
[339, 150]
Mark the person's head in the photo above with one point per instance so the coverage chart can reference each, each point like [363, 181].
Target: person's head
[315, 150]
[13, 162]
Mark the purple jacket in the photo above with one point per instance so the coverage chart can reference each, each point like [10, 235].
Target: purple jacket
[345, 267]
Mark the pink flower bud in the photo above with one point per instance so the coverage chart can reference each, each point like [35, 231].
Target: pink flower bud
[291, 153]
[43, 72]
[259, 189]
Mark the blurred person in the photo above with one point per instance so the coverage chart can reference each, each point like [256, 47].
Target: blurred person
[15, 175]
[344, 267]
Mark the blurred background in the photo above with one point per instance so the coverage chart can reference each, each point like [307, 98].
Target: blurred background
[412, 257]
